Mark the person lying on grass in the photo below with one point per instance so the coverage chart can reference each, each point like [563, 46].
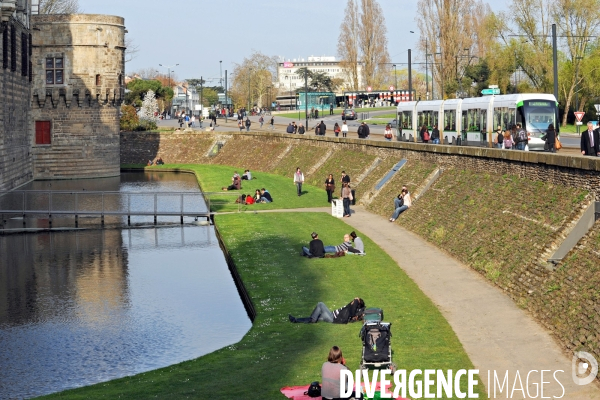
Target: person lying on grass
[353, 311]
[345, 247]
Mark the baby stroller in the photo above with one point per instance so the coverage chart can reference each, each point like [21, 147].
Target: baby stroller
[376, 339]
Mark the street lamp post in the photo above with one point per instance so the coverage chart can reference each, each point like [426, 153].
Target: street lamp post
[226, 100]
[168, 67]
[221, 73]
[395, 78]
[577, 87]
[441, 73]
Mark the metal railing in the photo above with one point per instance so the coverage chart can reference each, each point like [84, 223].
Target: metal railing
[46, 203]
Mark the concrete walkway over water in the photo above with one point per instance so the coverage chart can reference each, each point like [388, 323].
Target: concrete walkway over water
[496, 334]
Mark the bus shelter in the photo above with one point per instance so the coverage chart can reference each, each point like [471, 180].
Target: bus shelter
[318, 100]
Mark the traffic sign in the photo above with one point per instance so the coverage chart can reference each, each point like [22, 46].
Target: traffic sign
[391, 88]
[369, 88]
[490, 91]
[597, 107]
[579, 115]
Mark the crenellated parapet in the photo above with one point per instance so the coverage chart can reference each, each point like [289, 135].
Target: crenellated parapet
[79, 60]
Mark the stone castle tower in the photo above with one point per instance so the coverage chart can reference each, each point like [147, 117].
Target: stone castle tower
[16, 166]
[78, 74]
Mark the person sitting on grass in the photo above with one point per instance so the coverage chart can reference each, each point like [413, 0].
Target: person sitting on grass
[401, 204]
[257, 196]
[331, 376]
[241, 199]
[265, 196]
[249, 199]
[247, 176]
[236, 183]
[358, 243]
[351, 312]
[160, 161]
[315, 248]
[149, 163]
[345, 247]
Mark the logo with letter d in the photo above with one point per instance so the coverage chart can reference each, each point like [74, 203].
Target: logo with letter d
[584, 368]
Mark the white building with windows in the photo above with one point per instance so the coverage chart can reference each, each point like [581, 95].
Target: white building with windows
[289, 80]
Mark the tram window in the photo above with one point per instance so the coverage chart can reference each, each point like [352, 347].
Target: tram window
[464, 120]
[407, 120]
[498, 118]
[512, 116]
[473, 123]
[483, 119]
[520, 117]
[450, 120]
[434, 118]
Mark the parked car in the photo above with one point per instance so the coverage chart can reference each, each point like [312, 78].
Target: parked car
[349, 114]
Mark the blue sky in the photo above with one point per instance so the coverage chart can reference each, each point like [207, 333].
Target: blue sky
[197, 34]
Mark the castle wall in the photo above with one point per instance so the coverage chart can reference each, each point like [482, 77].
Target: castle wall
[81, 103]
[15, 92]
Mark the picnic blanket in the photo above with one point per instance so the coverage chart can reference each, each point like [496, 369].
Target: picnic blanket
[297, 393]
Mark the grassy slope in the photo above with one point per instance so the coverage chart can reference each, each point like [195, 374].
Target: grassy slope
[213, 177]
[493, 223]
[353, 162]
[299, 156]
[412, 175]
[276, 353]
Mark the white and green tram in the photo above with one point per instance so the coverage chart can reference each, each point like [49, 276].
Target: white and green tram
[474, 120]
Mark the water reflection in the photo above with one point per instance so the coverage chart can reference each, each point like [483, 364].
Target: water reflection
[82, 307]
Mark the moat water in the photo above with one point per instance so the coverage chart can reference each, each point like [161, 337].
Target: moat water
[87, 306]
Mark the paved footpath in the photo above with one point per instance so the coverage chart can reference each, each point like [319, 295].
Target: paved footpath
[496, 334]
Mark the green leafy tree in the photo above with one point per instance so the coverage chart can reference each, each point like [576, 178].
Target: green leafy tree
[129, 119]
[139, 87]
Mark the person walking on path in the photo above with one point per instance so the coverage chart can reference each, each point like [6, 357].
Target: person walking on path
[435, 135]
[248, 123]
[298, 180]
[214, 119]
[336, 129]
[499, 137]
[301, 129]
[261, 120]
[344, 129]
[522, 139]
[322, 128]
[331, 109]
[551, 138]
[330, 187]
[590, 141]
[272, 123]
[346, 198]
[240, 124]
[388, 133]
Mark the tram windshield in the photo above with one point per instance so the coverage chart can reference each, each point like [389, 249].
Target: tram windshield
[538, 114]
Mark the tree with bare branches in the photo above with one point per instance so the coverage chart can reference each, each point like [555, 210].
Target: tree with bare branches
[363, 41]
[253, 78]
[456, 29]
[348, 49]
[59, 6]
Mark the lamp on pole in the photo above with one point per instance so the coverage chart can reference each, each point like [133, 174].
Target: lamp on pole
[395, 77]
[168, 67]
[226, 100]
[221, 73]
[577, 87]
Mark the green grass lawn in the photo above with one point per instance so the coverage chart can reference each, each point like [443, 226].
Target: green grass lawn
[283, 190]
[276, 353]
